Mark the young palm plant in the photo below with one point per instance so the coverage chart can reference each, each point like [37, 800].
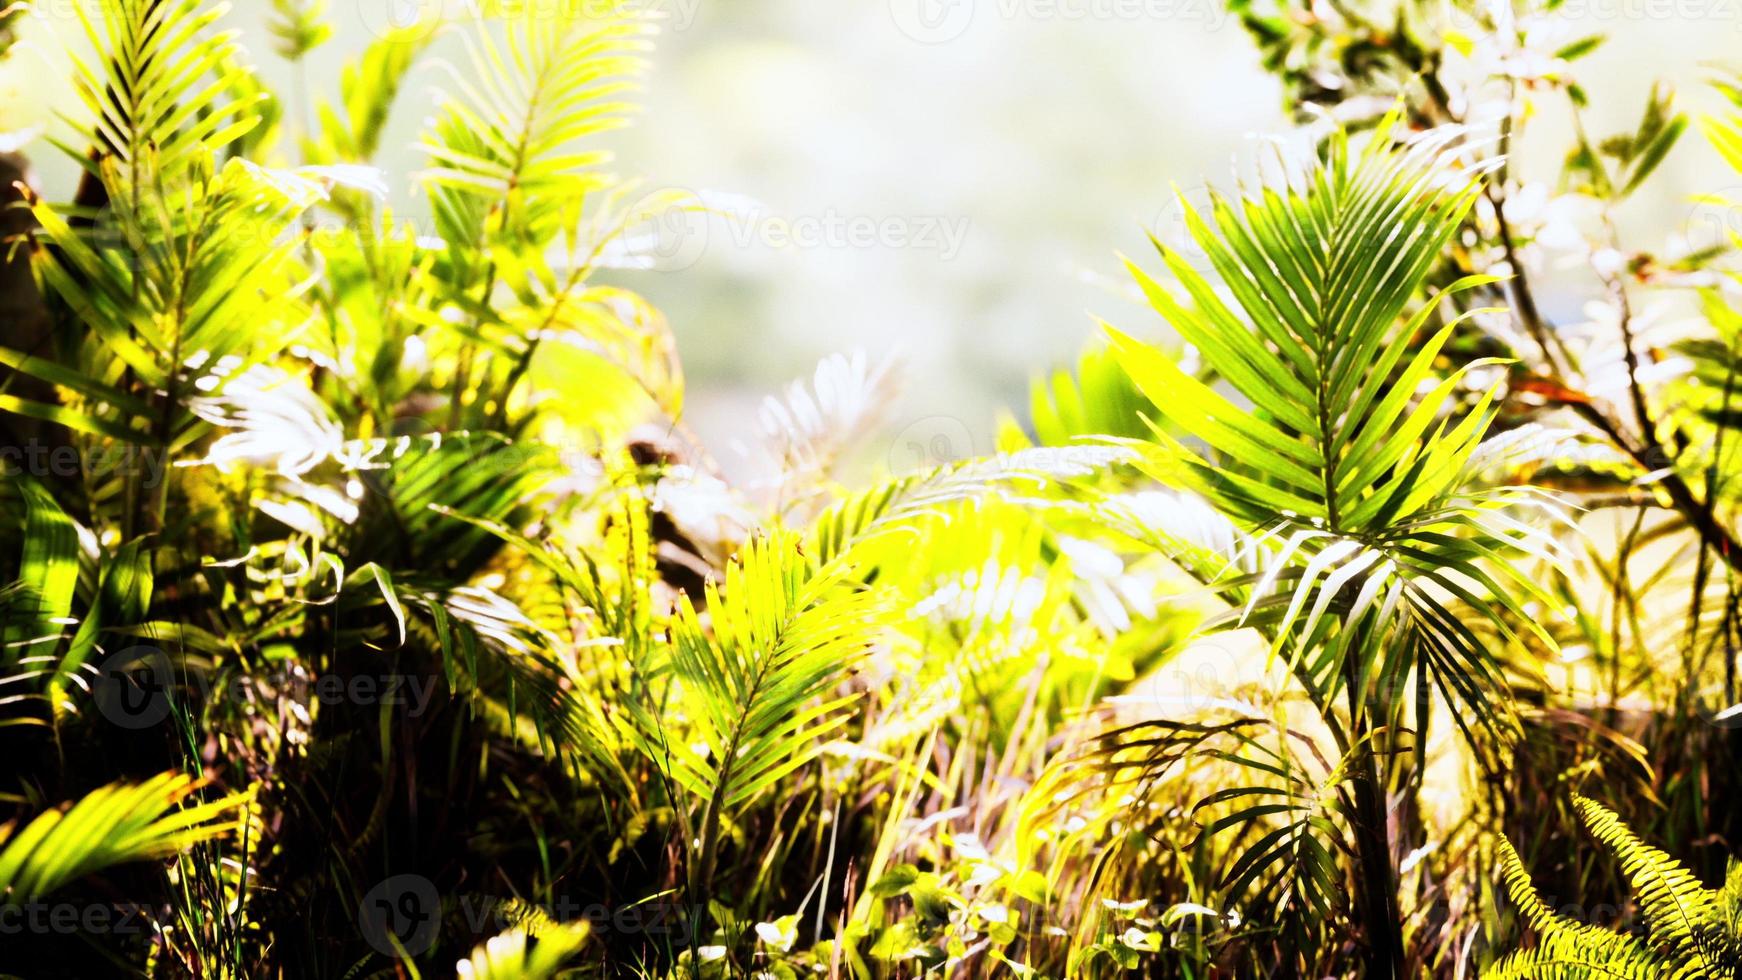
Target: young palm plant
[1364, 552]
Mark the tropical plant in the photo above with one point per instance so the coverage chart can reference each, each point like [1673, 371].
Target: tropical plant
[1361, 548]
[108, 826]
[390, 621]
[1693, 931]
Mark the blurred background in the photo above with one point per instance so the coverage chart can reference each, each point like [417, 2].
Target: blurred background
[947, 180]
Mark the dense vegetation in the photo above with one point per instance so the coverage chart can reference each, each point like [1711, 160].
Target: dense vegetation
[371, 613]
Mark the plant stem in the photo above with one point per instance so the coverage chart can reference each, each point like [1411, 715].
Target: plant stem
[1377, 899]
[1647, 453]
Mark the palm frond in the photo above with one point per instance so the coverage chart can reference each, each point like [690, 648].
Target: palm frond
[753, 695]
[350, 130]
[48, 569]
[116, 824]
[1345, 472]
[1100, 400]
[895, 506]
[514, 955]
[299, 26]
[154, 106]
[123, 599]
[781, 631]
[505, 139]
[175, 292]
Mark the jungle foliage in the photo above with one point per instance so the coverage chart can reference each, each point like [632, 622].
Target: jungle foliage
[372, 612]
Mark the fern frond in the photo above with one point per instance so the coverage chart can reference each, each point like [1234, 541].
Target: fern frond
[1693, 933]
[1565, 950]
[1730, 905]
[1683, 915]
[1567, 957]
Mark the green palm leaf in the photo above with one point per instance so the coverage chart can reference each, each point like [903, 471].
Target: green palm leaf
[1099, 400]
[899, 506]
[113, 825]
[48, 569]
[514, 955]
[505, 141]
[1349, 480]
[350, 130]
[782, 632]
[153, 104]
[755, 692]
[176, 292]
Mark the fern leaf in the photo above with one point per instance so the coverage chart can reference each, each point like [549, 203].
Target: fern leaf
[1565, 957]
[1683, 915]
